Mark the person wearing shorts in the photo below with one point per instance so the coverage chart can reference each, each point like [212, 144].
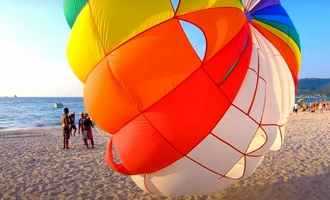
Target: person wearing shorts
[88, 125]
[65, 121]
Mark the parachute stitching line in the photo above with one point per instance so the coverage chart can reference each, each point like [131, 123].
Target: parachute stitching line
[271, 48]
[233, 146]
[265, 98]
[205, 167]
[159, 101]
[182, 154]
[255, 121]
[132, 97]
[237, 61]
[257, 85]
[252, 70]
[121, 44]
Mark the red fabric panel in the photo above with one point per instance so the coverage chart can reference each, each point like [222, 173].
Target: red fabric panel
[109, 104]
[234, 81]
[142, 149]
[227, 57]
[190, 112]
[151, 64]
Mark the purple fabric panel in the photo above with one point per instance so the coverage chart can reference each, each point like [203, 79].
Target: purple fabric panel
[264, 4]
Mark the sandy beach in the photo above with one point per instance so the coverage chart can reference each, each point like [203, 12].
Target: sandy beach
[33, 165]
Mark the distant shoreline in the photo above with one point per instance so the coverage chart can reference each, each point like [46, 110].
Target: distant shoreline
[14, 129]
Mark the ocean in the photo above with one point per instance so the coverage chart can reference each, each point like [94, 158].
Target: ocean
[30, 112]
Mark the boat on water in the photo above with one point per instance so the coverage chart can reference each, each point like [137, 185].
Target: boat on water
[58, 105]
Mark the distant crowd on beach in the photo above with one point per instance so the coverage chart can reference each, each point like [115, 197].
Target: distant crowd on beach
[85, 128]
[312, 107]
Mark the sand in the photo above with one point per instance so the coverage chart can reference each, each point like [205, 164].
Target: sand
[33, 165]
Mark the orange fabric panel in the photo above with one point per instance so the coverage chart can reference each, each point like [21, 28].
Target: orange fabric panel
[106, 101]
[283, 48]
[153, 63]
[189, 113]
[142, 149]
[220, 25]
[234, 81]
[223, 61]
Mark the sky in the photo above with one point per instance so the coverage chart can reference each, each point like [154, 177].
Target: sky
[34, 35]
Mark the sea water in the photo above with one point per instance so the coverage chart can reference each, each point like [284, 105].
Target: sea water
[32, 112]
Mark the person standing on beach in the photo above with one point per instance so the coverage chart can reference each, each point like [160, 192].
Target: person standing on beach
[80, 123]
[73, 128]
[88, 125]
[81, 129]
[66, 123]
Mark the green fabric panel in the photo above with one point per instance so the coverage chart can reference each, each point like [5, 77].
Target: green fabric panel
[290, 31]
[72, 9]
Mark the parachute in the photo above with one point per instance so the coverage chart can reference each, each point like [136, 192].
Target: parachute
[194, 92]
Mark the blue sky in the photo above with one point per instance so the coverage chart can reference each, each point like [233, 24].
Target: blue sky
[34, 34]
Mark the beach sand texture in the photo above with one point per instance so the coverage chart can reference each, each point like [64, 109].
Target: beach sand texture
[33, 165]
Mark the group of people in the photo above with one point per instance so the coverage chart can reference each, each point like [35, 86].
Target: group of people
[85, 128]
[312, 107]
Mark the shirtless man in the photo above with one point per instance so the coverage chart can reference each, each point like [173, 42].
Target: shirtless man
[66, 126]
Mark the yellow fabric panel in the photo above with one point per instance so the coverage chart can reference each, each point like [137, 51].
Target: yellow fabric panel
[187, 6]
[118, 21]
[84, 50]
[291, 43]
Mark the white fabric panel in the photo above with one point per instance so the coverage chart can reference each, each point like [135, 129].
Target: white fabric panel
[271, 132]
[222, 158]
[269, 73]
[245, 95]
[254, 58]
[259, 102]
[272, 112]
[280, 84]
[258, 141]
[254, 37]
[278, 141]
[236, 128]
[285, 80]
[186, 177]
[250, 4]
[238, 170]
[139, 181]
[251, 165]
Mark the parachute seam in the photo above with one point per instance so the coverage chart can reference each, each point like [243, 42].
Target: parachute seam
[179, 84]
[230, 71]
[175, 149]
[122, 85]
[258, 124]
[233, 146]
[257, 85]
[141, 111]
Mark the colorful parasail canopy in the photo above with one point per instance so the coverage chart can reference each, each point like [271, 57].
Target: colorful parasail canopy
[193, 92]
